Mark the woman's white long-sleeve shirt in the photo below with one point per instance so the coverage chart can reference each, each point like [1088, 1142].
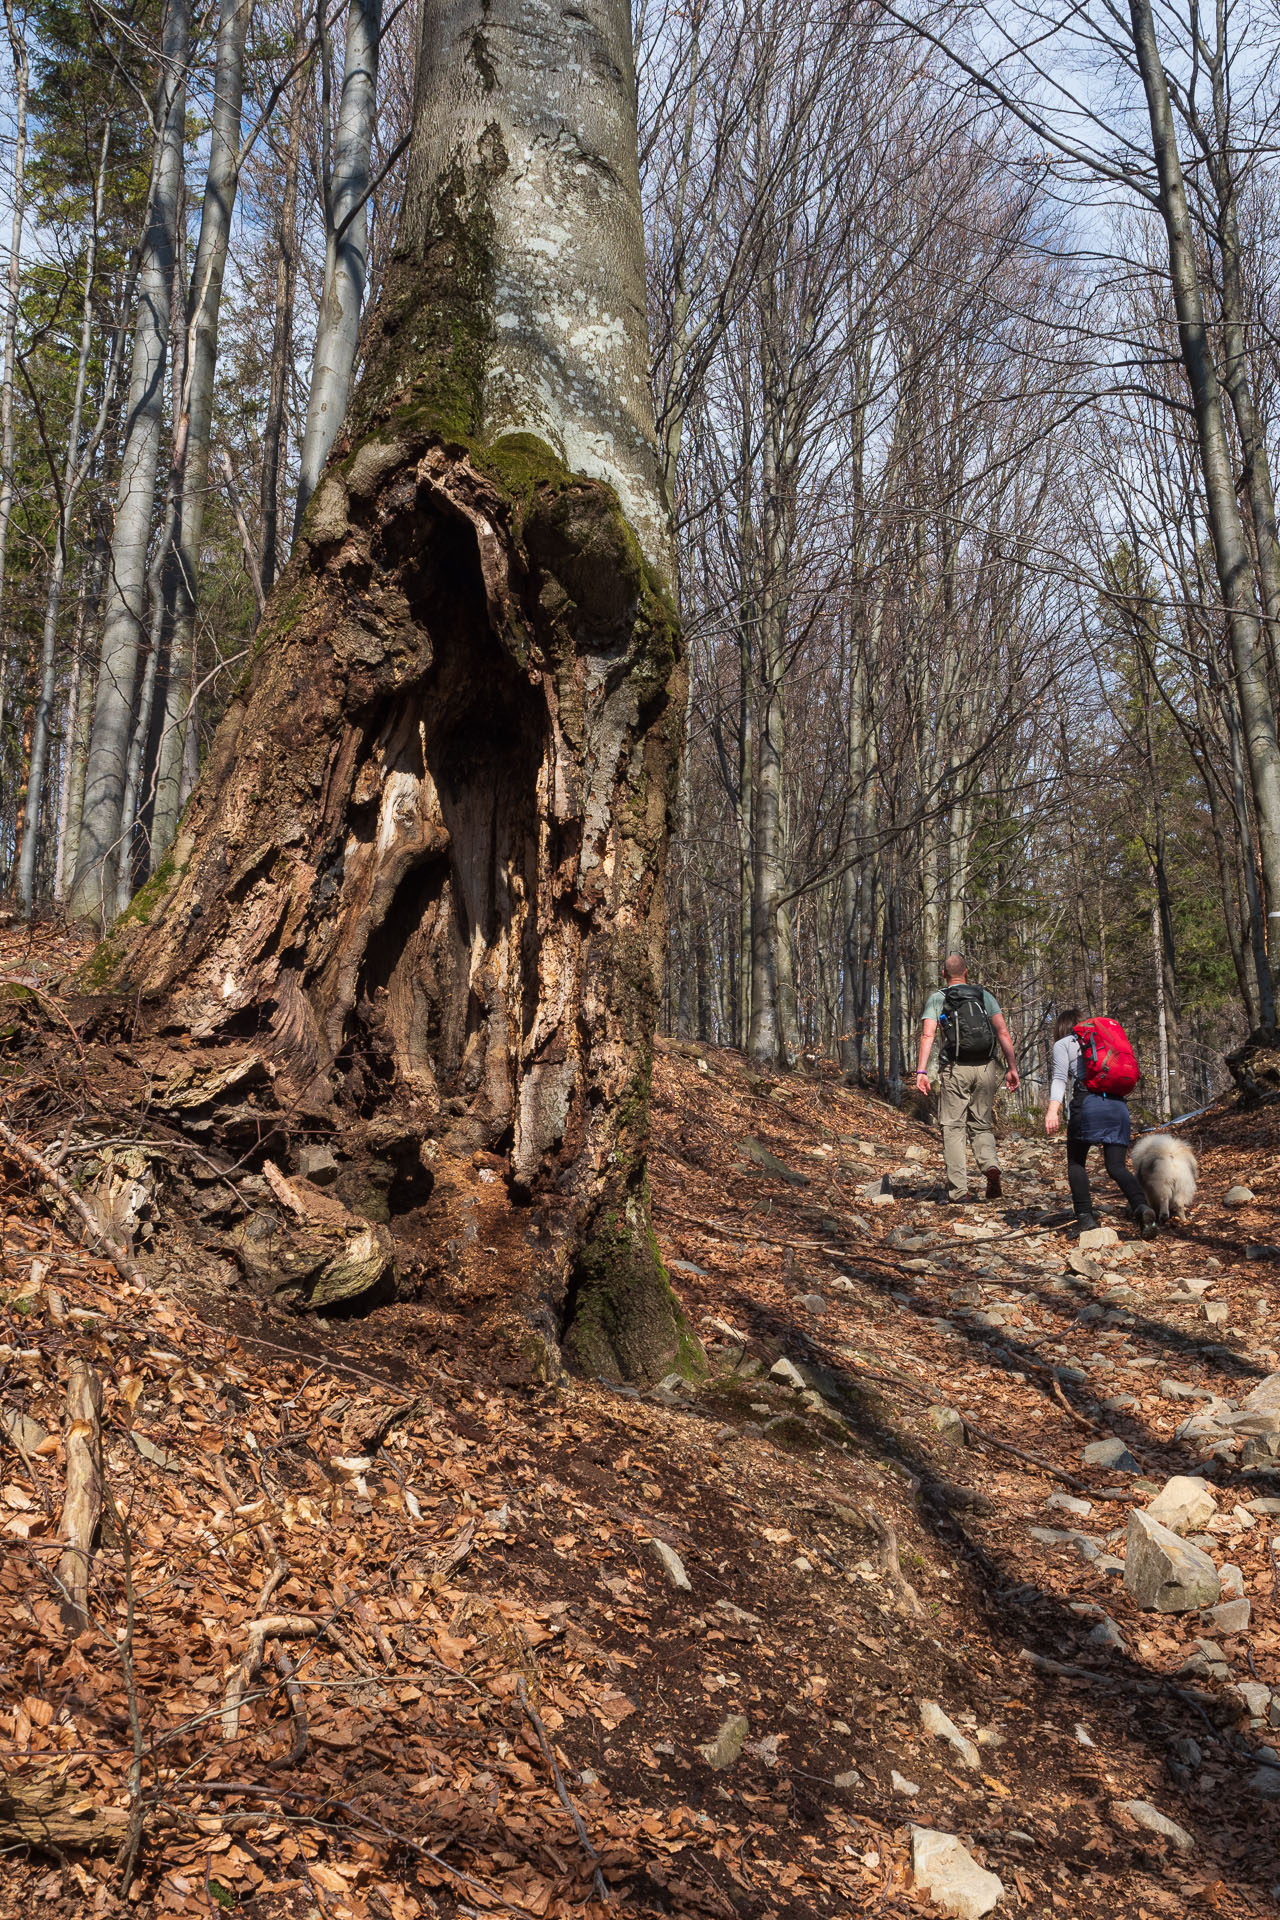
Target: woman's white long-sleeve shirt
[1066, 1066]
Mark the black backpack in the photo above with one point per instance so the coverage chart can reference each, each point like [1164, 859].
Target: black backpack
[967, 1033]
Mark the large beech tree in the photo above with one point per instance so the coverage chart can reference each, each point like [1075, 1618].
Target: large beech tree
[421, 874]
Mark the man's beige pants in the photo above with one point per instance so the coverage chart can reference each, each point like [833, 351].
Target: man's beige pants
[966, 1102]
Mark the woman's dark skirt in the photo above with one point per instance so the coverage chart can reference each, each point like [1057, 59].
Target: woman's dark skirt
[1099, 1119]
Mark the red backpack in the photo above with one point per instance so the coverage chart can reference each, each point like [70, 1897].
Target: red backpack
[1110, 1065]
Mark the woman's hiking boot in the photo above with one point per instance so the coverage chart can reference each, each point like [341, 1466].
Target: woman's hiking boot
[1086, 1222]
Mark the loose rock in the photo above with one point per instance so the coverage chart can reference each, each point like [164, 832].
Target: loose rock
[950, 1875]
[671, 1563]
[789, 1375]
[728, 1743]
[1156, 1822]
[1237, 1196]
[936, 1722]
[1164, 1573]
[1184, 1504]
[1112, 1454]
[948, 1424]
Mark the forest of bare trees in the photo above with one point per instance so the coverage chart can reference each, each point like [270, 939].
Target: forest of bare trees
[964, 364]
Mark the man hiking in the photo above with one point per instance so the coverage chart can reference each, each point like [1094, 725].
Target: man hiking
[973, 1037]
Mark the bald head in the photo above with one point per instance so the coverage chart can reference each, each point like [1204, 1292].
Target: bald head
[955, 968]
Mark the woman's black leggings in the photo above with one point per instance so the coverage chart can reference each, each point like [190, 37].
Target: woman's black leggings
[1115, 1159]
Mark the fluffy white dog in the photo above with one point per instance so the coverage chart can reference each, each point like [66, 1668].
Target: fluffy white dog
[1167, 1169]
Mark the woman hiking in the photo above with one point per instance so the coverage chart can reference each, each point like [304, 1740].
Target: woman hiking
[1093, 1119]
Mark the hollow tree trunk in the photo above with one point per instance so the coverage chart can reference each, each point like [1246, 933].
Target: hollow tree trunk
[423, 865]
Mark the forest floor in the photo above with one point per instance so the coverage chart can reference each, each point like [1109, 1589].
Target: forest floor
[460, 1580]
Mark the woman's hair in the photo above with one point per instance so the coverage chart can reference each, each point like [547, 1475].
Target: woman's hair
[1068, 1018]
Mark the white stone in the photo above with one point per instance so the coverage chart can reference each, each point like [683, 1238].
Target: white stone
[936, 1722]
[1184, 1504]
[789, 1375]
[672, 1565]
[901, 1784]
[1156, 1822]
[1165, 1573]
[1094, 1237]
[949, 1874]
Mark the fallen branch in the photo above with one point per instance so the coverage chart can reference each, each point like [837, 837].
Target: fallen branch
[63, 1188]
[301, 1734]
[889, 1560]
[82, 1506]
[55, 1815]
[563, 1791]
[271, 1626]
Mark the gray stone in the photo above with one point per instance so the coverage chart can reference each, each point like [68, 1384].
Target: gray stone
[1265, 1394]
[948, 1425]
[936, 1722]
[789, 1375]
[1183, 1390]
[846, 1780]
[671, 1563]
[1183, 1504]
[1237, 1196]
[1067, 1503]
[1266, 1782]
[1164, 1573]
[1111, 1453]
[317, 1164]
[1230, 1616]
[1108, 1635]
[769, 1163]
[1216, 1312]
[946, 1870]
[1119, 1403]
[1256, 1696]
[1264, 1252]
[1253, 1420]
[902, 1785]
[728, 1743]
[1156, 1822]
[811, 1302]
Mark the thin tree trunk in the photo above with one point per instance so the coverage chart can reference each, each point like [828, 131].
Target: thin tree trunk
[75, 468]
[1162, 1019]
[346, 262]
[77, 703]
[13, 282]
[192, 428]
[1231, 552]
[93, 892]
[273, 434]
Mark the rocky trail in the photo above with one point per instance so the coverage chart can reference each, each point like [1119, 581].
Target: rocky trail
[895, 1613]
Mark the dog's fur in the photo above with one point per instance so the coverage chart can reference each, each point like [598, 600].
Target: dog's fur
[1167, 1169]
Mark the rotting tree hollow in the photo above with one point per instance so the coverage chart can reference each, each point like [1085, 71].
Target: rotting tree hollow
[421, 873]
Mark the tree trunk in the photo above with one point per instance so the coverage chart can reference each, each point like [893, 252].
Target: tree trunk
[75, 468]
[1231, 552]
[423, 864]
[273, 433]
[21, 74]
[94, 887]
[191, 432]
[346, 262]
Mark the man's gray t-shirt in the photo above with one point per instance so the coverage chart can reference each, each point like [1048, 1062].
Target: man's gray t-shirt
[934, 1004]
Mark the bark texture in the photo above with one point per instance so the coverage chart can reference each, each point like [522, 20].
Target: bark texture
[421, 874]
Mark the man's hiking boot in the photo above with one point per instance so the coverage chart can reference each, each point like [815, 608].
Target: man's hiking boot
[1086, 1222]
[1146, 1222]
[993, 1184]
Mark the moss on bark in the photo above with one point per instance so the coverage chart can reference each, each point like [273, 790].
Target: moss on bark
[624, 1322]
